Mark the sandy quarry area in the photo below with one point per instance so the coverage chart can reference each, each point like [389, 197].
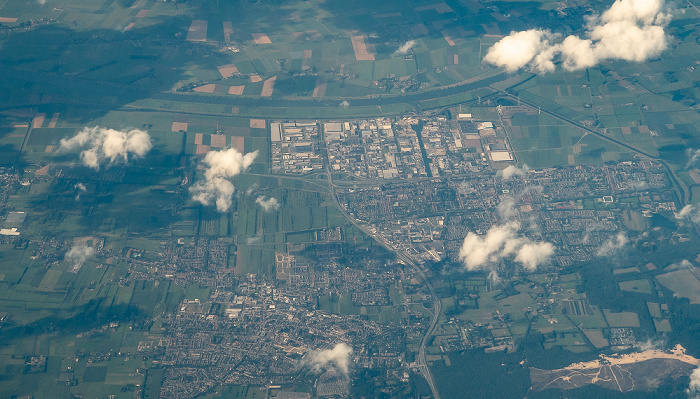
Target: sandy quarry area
[677, 353]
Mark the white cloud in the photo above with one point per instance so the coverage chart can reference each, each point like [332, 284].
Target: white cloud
[108, 144]
[78, 254]
[693, 390]
[506, 208]
[338, 357]
[631, 30]
[81, 189]
[344, 104]
[684, 264]
[494, 277]
[651, 344]
[479, 252]
[405, 47]
[253, 240]
[533, 254]
[613, 245]
[693, 157]
[519, 49]
[689, 212]
[512, 171]
[270, 204]
[223, 165]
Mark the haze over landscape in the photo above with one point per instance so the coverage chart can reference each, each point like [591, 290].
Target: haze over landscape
[322, 199]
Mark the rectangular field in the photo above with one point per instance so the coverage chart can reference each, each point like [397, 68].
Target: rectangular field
[198, 31]
[320, 89]
[683, 283]
[227, 71]
[362, 53]
[268, 87]
[228, 31]
[261, 38]
[236, 90]
[177, 126]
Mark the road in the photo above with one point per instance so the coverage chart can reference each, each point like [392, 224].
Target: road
[685, 193]
[305, 102]
[437, 304]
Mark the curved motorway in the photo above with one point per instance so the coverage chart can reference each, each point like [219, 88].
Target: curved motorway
[305, 102]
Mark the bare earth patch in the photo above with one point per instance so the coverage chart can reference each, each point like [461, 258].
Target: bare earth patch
[261, 38]
[268, 87]
[227, 71]
[210, 88]
[641, 371]
[218, 140]
[362, 53]
[54, 119]
[257, 123]
[177, 126]
[447, 37]
[236, 90]
[238, 143]
[38, 120]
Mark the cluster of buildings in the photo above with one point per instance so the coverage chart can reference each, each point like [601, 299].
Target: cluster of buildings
[295, 147]
[575, 208]
[254, 337]
[391, 148]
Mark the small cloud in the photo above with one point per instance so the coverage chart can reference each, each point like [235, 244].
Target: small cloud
[501, 241]
[78, 254]
[613, 245]
[693, 157]
[338, 358]
[638, 185]
[81, 189]
[533, 254]
[253, 240]
[684, 264]
[689, 212]
[512, 171]
[493, 276]
[651, 344]
[223, 165]
[103, 144]
[270, 204]
[693, 390]
[506, 208]
[405, 48]
[344, 104]
[251, 189]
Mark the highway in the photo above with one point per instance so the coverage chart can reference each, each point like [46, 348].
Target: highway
[685, 193]
[405, 258]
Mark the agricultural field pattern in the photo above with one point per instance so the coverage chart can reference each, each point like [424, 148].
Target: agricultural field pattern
[301, 199]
